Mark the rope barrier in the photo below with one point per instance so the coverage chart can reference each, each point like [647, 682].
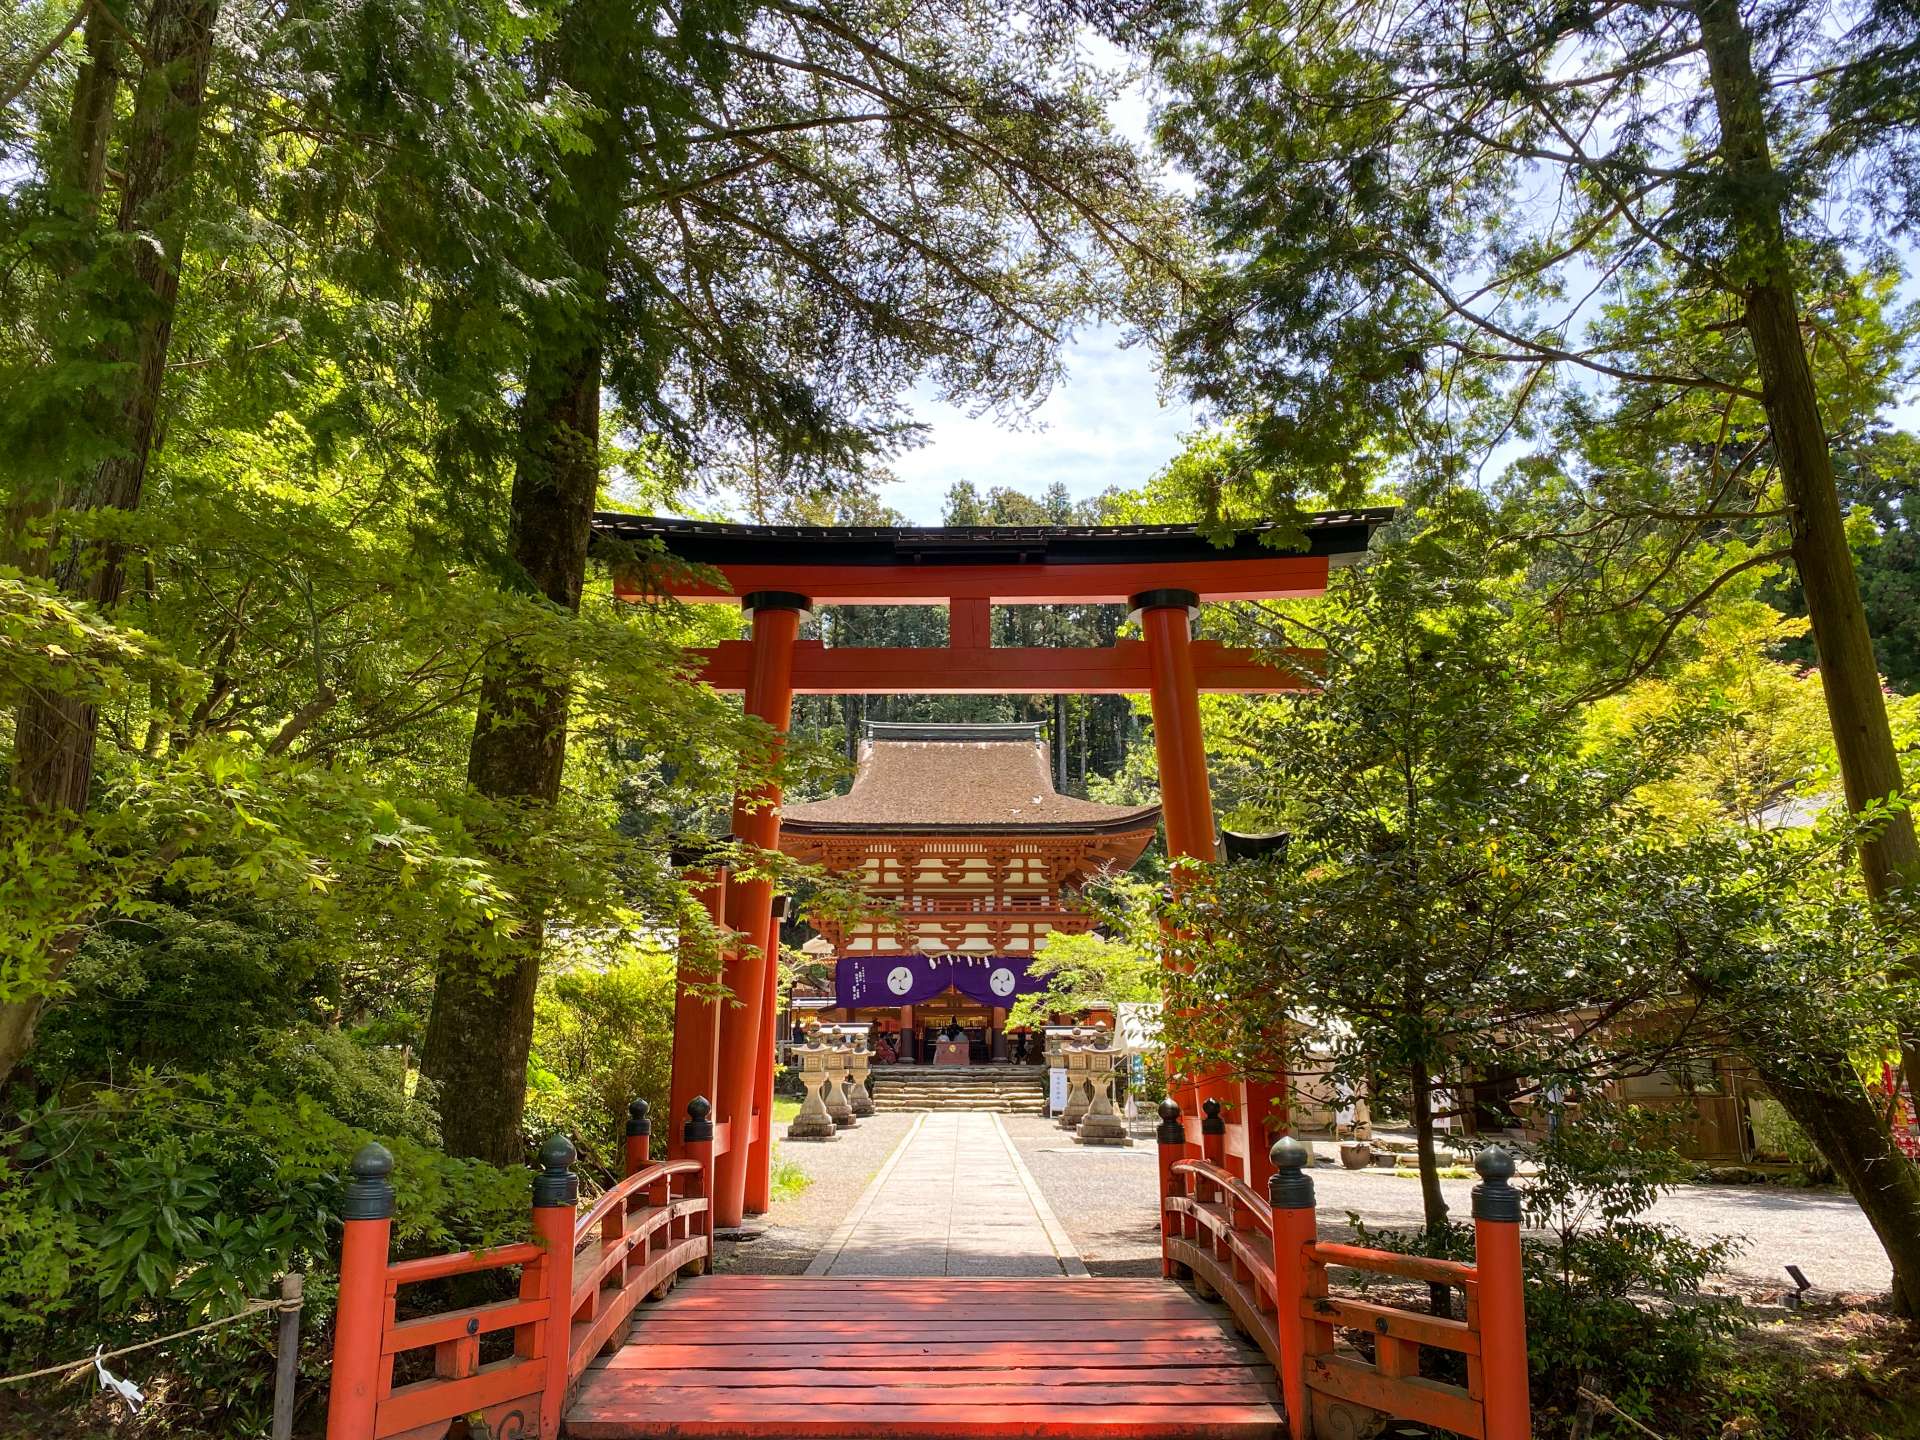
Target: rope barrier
[253, 1308]
[1605, 1404]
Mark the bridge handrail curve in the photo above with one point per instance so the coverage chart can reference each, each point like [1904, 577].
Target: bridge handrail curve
[1232, 1184]
[640, 1180]
[652, 1225]
[1264, 1258]
[1392, 1262]
[462, 1262]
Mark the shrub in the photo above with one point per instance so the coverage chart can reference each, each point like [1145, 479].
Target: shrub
[786, 1179]
[133, 1210]
[191, 980]
[601, 1037]
[1613, 1296]
[1613, 1300]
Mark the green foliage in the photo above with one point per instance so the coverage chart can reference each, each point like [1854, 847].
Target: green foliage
[1614, 1301]
[601, 1038]
[136, 1209]
[786, 1179]
[1454, 874]
[1878, 472]
[190, 976]
[1554, 214]
[1094, 970]
[1775, 1135]
[1614, 1297]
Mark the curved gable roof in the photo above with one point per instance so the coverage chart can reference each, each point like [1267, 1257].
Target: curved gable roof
[979, 779]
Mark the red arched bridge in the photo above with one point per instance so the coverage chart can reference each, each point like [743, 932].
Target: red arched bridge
[619, 1328]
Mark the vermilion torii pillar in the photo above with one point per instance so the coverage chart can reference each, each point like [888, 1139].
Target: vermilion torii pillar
[749, 908]
[1179, 750]
[1186, 798]
[696, 1019]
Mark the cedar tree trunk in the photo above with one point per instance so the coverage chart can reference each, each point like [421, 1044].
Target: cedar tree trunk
[1849, 675]
[1826, 1099]
[481, 1027]
[55, 734]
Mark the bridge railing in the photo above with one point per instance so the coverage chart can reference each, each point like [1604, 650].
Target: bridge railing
[1263, 1257]
[580, 1278]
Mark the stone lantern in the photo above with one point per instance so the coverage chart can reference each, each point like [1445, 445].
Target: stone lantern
[815, 1120]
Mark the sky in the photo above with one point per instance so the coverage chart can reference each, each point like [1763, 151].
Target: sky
[1104, 424]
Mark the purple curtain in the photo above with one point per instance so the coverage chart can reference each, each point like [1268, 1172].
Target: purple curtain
[864, 980]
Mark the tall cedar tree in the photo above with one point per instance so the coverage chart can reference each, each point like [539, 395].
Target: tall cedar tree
[782, 216]
[55, 733]
[481, 1025]
[1353, 161]
[325, 166]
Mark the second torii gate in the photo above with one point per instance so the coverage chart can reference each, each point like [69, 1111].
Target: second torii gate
[777, 573]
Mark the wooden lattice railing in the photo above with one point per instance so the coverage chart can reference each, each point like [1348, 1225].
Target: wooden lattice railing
[580, 1279]
[1262, 1256]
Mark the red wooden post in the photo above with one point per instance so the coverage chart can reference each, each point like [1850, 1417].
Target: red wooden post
[1264, 1104]
[556, 1191]
[1503, 1301]
[639, 1137]
[696, 1018]
[1295, 1227]
[1179, 749]
[1172, 1136]
[1185, 798]
[756, 820]
[353, 1397]
[1213, 1134]
[697, 1144]
[759, 1195]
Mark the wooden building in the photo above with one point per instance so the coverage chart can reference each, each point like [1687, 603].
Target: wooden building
[959, 831]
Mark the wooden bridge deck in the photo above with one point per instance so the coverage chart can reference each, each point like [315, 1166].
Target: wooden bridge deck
[804, 1357]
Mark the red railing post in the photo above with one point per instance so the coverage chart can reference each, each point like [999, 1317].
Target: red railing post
[639, 1137]
[556, 1193]
[697, 1140]
[1503, 1301]
[1295, 1226]
[1213, 1137]
[1172, 1137]
[353, 1398]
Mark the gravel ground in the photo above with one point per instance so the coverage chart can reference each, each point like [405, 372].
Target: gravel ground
[1106, 1199]
[1106, 1196]
[797, 1227]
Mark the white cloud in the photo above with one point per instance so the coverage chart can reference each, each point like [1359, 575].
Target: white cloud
[1103, 425]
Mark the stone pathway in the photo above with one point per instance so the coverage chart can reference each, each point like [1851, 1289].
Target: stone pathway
[838, 1172]
[954, 1199]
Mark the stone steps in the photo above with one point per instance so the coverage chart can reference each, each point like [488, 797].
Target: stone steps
[1006, 1092]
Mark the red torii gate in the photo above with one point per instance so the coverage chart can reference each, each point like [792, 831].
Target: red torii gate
[1237, 1218]
[778, 572]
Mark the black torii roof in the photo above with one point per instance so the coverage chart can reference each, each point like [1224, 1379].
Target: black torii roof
[1339, 535]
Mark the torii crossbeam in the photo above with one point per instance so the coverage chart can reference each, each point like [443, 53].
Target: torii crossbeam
[778, 572]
